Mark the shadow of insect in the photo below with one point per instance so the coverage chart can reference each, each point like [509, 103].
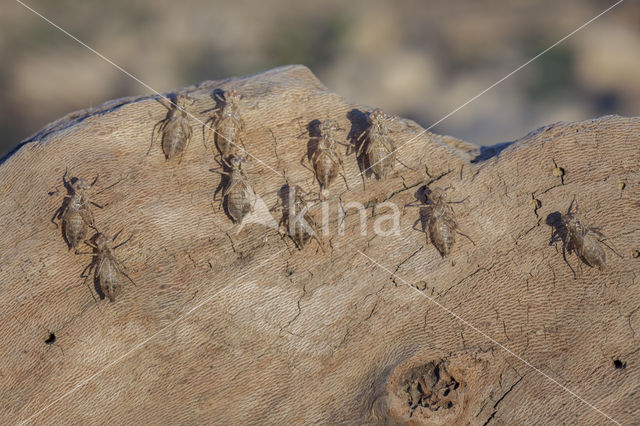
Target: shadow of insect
[75, 212]
[108, 270]
[359, 125]
[576, 237]
[296, 220]
[437, 218]
[174, 130]
[226, 123]
[313, 130]
[325, 161]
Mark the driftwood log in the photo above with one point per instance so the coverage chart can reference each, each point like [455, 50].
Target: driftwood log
[241, 327]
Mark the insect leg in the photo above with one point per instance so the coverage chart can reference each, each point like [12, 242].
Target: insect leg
[555, 237]
[95, 180]
[580, 266]
[416, 222]
[315, 237]
[115, 237]
[571, 205]
[459, 202]
[602, 240]
[362, 145]
[87, 269]
[65, 182]
[124, 242]
[108, 187]
[90, 244]
[275, 206]
[123, 270]
[565, 248]
[87, 217]
[302, 163]
[413, 203]
[186, 145]
[84, 252]
[219, 172]
[86, 277]
[59, 213]
[361, 135]
[162, 99]
[466, 236]
[243, 148]
[229, 187]
[160, 123]
[204, 135]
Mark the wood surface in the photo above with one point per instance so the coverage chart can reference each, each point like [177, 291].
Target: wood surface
[227, 327]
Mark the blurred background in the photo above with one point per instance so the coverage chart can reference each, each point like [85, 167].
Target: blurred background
[416, 58]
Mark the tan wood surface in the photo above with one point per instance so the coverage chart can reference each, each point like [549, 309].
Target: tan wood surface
[243, 328]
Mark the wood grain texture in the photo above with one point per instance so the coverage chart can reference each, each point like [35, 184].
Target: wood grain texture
[227, 327]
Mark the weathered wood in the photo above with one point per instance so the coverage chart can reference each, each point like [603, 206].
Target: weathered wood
[227, 327]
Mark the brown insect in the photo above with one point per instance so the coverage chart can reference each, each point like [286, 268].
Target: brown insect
[378, 148]
[295, 217]
[108, 270]
[326, 161]
[228, 123]
[75, 211]
[582, 239]
[238, 193]
[174, 129]
[438, 217]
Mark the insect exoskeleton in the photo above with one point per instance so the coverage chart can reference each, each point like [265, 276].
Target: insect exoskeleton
[442, 222]
[438, 219]
[583, 240]
[379, 147]
[108, 270]
[239, 194]
[175, 130]
[296, 218]
[326, 160]
[228, 124]
[75, 213]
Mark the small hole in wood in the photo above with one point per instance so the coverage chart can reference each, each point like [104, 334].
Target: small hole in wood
[51, 339]
[617, 364]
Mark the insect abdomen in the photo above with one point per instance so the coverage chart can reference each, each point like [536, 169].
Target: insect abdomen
[442, 235]
[225, 140]
[109, 282]
[75, 228]
[173, 140]
[381, 159]
[591, 252]
[300, 235]
[239, 202]
[326, 170]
